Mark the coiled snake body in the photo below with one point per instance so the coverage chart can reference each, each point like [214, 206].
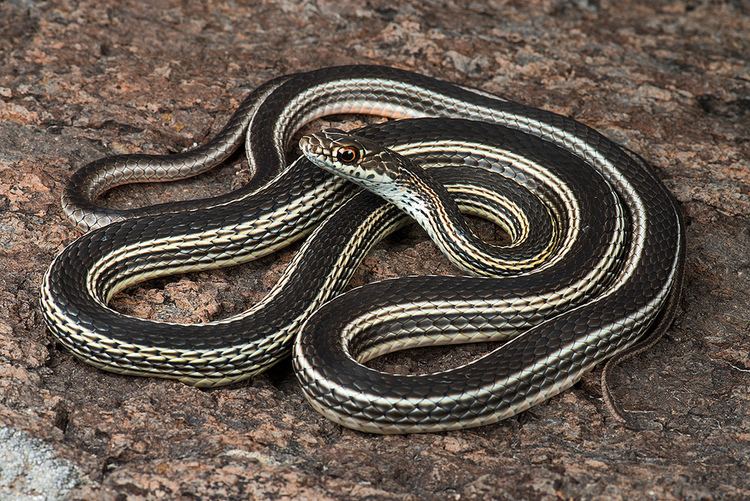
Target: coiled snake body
[594, 263]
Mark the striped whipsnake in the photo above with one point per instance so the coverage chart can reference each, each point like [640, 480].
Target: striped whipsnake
[598, 246]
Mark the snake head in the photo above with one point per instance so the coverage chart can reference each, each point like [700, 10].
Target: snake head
[354, 158]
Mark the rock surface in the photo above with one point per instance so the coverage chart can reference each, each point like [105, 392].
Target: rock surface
[81, 80]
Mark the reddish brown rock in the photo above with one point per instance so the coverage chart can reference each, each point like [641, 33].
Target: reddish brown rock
[80, 80]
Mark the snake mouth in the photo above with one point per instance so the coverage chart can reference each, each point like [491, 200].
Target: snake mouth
[313, 148]
[310, 145]
[317, 144]
[322, 142]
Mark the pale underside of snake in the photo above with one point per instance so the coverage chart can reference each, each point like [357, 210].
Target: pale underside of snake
[594, 266]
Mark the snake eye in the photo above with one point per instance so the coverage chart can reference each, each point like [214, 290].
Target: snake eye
[347, 154]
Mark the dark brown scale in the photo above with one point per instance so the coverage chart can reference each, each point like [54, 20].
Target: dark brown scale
[560, 347]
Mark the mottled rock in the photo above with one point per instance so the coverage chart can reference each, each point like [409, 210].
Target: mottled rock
[81, 80]
[30, 470]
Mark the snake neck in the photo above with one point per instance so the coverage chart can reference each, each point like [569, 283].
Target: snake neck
[431, 206]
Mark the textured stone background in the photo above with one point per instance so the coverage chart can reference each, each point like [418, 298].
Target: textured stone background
[80, 80]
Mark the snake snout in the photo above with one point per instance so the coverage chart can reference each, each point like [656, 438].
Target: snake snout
[309, 144]
[317, 150]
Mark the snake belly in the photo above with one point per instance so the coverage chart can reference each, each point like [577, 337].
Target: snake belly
[636, 261]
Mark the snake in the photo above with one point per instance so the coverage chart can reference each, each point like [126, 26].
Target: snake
[594, 266]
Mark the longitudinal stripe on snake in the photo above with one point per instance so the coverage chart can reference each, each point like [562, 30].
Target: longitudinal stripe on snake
[611, 253]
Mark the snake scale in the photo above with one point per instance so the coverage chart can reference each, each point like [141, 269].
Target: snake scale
[594, 265]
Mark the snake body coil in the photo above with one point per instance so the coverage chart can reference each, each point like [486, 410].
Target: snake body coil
[597, 244]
